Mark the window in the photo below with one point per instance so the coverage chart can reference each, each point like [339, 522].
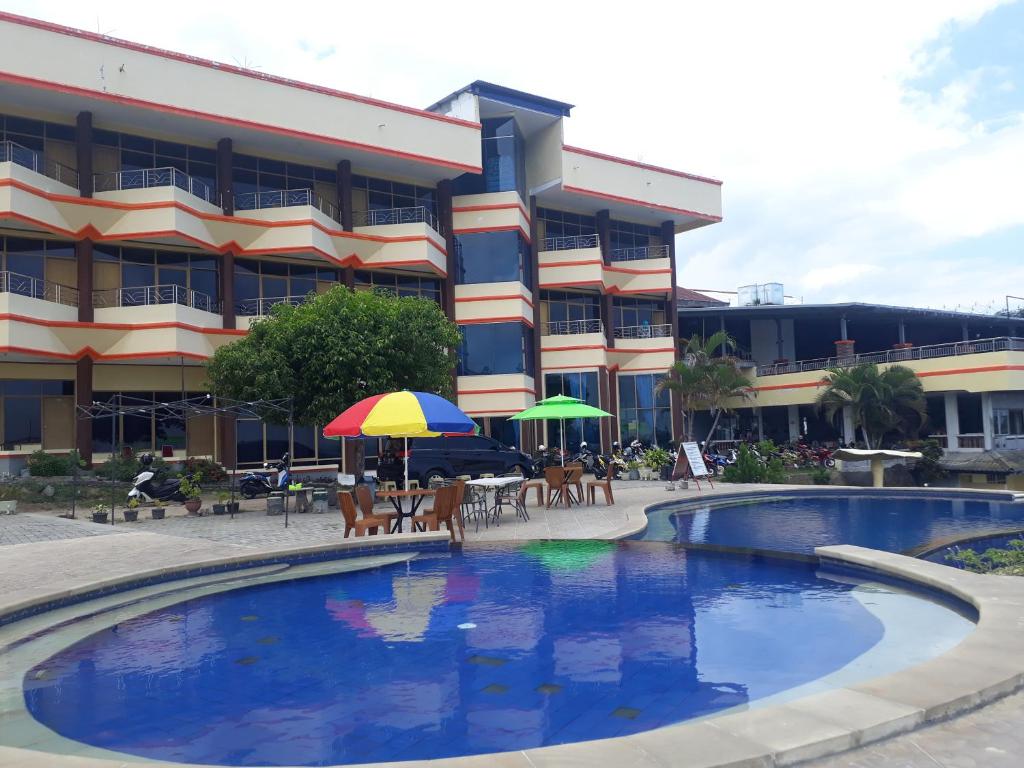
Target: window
[490, 348]
[50, 140]
[142, 268]
[504, 160]
[141, 431]
[22, 409]
[30, 262]
[505, 430]
[628, 312]
[259, 174]
[493, 257]
[257, 443]
[139, 153]
[399, 285]
[564, 224]
[370, 194]
[643, 412]
[565, 307]
[624, 234]
[276, 281]
[1008, 421]
[582, 385]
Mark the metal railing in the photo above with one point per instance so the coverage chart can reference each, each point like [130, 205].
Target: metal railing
[414, 215]
[566, 327]
[23, 285]
[570, 243]
[644, 331]
[12, 152]
[972, 440]
[644, 252]
[153, 294]
[953, 349]
[285, 198]
[261, 307]
[144, 178]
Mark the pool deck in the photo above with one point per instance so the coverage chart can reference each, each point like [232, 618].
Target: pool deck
[47, 556]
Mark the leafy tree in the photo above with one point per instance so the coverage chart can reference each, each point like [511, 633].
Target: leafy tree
[335, 349]
[748, 469]
[881, 401]
[706, 380]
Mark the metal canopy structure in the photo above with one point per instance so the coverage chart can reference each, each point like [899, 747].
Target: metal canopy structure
[199, 405]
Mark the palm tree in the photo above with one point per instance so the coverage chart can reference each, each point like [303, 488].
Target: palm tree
[706, 382]
[882, 401]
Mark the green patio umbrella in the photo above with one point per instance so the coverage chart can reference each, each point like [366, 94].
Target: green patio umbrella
[561, 408]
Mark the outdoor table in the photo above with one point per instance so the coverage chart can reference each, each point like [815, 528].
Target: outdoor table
[498, 484]
[570, 497]
[396, 498]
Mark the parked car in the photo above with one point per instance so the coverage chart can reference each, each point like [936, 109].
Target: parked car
[438, 457]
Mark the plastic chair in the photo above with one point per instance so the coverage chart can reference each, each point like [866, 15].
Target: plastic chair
[365, 499]
[558, 487]
[348, 513]
[606, 486]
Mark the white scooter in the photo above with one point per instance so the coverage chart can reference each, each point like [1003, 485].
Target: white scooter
[144, 488]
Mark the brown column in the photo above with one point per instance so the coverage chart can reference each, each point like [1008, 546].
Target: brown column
[538, 371]
[83, 152]
[227, 289]
[445, 220]
[668, 237]
[227, 441]
[613, 405]
[603, 403]
[83, 397]
[225, 162]
[345, 213]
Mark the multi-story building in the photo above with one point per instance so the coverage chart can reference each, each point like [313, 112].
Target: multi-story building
[971, 367]
[153, 204]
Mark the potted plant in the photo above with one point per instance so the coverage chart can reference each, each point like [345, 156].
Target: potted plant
[190, 489]
[131, 511]
[158, 511]
[633, 469]
[221, 507]
[659, 461]
[99, 513]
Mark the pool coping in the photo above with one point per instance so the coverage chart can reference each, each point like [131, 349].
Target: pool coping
[985, 666]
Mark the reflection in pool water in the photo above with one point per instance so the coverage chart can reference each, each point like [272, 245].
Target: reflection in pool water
[485, 650]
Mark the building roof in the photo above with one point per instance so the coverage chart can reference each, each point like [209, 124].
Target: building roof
[690, 296]
[1000, 462]
[854, 308]
[509, 96]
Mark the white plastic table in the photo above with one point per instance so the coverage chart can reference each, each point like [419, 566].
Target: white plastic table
[498, 484]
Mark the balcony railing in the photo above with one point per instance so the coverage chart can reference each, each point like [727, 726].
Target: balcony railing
[566, 327]
[261, 307]
[285, 198]
[11, 152]
[644, 331]
[153, 294]
[570, 243]
[23, 285]
[144, 178]
[645, 252]
[954, 349]
[972, 440]
[415, 215]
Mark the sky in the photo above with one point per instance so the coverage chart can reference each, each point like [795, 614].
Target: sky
[870, 151]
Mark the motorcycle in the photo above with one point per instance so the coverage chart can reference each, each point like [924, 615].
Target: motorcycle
[586, 457]
[255, 484]
[145, 487]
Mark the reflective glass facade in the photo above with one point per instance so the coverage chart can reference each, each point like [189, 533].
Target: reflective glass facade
[143, 432]
[643, 412]
[493, 257]
[504, 160]
[492, 348]
[50, 260]
[369, 194]
[630, 312]
[560, 306]
[583, 385]
[23, 409]
[34, 134]
[565, 224]
[400, 285]
[624, 234]
[259, 279]
[258, 443]
[138, 152]
[145, 267]
[260, 174]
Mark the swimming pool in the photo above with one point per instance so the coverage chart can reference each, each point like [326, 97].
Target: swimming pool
[485, 650]
[799, 523]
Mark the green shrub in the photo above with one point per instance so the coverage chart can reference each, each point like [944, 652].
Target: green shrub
[748, 469]
[656, 458]
[1008, 561]
[43, 464]
[206, 471]
[821, 476]
[125, 470]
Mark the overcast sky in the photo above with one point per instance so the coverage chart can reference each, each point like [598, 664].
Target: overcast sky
[871, 151]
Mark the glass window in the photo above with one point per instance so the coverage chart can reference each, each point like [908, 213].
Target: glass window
[304, 442]
[23, 417]
[505, 431]
[400, 285]
[559, 307]
[260, 174]
[249, 436]
[489, 348]
[582, 385]
[565, 224]
[630, 312]
[381, 194]
[624, 234]
[644, 413]
[493, 257]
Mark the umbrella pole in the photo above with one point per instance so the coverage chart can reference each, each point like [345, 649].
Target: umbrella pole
[406, 486]
[561, 434]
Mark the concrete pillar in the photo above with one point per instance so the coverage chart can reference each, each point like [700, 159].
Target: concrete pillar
[965, 332]
[668, 237]
[760, 423]
[952, 421]
[84, 264]
[842, 328]
[227, 290]
[446, 222]
[227, 441]
[345, 213]
[83, 397]
[535, 246]
[849, 430]
[83, 152]
[987, 425]
[793, 417]
[903, 332]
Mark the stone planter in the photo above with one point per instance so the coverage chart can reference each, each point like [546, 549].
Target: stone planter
[193, 505]
[275, 505]
[320, 501]
[220, 509]
[157, 513]
[99, 517]
[131, 515]
[634, 474]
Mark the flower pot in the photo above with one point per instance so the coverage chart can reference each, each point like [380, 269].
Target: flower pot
[157, 513]
[131, 515]
[670, 486]
[220, 509]
[193, 505]
[634, 474]
[232, 507]
[99, 517]
[665, 473]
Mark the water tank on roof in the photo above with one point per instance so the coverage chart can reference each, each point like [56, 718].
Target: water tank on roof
[764, 293]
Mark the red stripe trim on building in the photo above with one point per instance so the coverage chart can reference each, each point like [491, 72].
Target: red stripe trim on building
[494, 207]
[503, 228]
[634, 201]
[122, 326]
[606, 349]
[511, 297]
[584, 263]
[636, 164]
[920, 374]
[493, 391]
[484, 321]
[89, 352]
[129, 101]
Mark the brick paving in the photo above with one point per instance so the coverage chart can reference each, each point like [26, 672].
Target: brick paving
[30, 528]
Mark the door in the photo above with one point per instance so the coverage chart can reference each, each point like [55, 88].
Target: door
[58, 423]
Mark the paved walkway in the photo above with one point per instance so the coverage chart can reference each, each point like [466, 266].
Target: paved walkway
[30, 528]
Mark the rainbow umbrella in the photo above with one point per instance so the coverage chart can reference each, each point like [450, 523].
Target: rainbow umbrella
[401, 414]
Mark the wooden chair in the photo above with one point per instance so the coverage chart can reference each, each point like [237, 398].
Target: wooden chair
[606, 486]
[524, 490]
[348, 512]
[364, 497]
[555, 478]
[447, 501]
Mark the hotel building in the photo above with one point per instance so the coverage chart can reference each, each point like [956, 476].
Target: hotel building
[153, 205]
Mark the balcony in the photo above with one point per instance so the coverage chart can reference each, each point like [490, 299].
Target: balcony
[11, 152]
[571, 243]
[644, 331]
[639, 254]
[415, 215]
[147, 178]
[261, 307]
[33, 287]
[954, 349]
[150, 295]
[570, 327]
[285, 198]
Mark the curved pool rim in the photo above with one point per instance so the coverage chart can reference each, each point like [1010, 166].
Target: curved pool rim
[984, 667]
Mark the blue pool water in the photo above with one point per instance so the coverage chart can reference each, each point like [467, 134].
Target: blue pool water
[799, 524]
[469, 652]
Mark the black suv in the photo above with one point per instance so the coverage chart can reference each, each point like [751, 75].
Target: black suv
[437, 457]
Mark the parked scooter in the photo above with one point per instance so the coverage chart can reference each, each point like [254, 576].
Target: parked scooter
[255, 484]
[146, 488]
